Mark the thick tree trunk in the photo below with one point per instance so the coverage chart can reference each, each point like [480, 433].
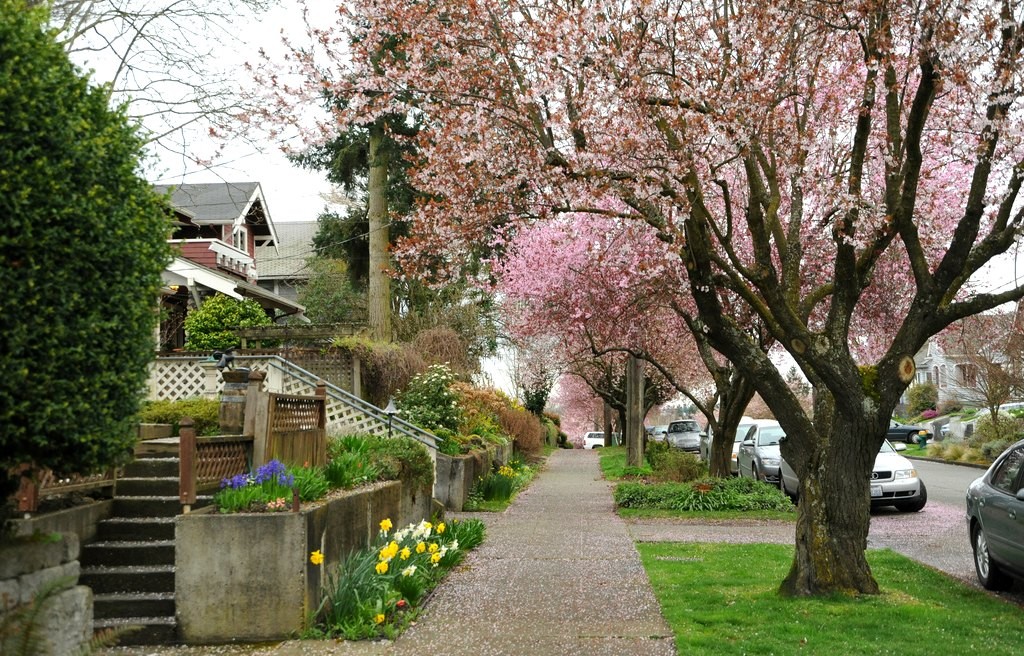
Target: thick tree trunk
[634, 412]
[378, 302]
[733, 401]
[608, 425]
[833, 514]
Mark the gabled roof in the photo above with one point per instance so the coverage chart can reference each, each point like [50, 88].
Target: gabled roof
[222, 203]
[186, 272]
[288, 259]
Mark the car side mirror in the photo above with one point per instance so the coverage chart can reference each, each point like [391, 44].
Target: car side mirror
[900, 446]
[1020, 494]
[703, 433]
[749, 442]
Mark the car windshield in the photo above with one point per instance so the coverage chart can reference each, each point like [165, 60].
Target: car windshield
[741, 432]
[886, 448]
[769, 435]
[684, 427]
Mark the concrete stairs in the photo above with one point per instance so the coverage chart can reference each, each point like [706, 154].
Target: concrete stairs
[130, 566]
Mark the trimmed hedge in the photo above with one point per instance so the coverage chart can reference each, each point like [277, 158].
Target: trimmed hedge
[709, 494]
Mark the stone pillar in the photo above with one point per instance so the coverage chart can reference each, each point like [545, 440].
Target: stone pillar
[210, 378]
[232, 401]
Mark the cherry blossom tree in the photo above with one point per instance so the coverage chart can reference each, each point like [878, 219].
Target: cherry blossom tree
[788, 151]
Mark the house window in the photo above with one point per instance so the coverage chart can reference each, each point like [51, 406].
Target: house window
[240, 238]
[935, 377]
[968, 375]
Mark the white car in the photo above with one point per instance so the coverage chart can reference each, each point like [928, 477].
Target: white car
[744, 428]
[759, 457]
[894, 481]
[593, 440]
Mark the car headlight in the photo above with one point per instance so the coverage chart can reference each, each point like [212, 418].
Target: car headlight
[905, 473]
[771, 462]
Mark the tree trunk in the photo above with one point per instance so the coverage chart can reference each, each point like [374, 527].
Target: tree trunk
[634, 412]
[833, 514]
[608, 425]
[378, 302]
[733, 401]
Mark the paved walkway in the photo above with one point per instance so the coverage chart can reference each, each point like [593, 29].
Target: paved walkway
[557, 574]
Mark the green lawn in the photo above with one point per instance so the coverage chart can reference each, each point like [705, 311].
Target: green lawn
[722, 599]
[613, 464]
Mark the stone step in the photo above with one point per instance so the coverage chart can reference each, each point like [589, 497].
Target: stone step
[166, 447]
[155, 506]
[163, 486]
[151, 468]
[134, 578]
[140, 630]
[125, 553]
[136, 528]
[125, 604]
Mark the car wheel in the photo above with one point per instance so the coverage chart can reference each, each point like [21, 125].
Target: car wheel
[989, 574]
[917, 504]
[912, 438]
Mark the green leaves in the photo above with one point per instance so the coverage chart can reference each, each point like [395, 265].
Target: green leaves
[210, 326]
[82, 245]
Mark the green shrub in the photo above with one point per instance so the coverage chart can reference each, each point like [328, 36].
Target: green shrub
[705, 495]
[986, 430]
[921, 397]
[401, 458]
[430, 402]
[83, 239]
[210, 325]
[677, 466]
[204, 412]
[347, 463]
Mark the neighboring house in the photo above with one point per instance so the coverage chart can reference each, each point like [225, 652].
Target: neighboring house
[282, 266]
[952, 360]
[218, 229]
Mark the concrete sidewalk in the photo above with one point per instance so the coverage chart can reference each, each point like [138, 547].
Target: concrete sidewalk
[557, 574]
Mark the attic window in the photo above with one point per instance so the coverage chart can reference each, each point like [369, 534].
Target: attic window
[240, 238]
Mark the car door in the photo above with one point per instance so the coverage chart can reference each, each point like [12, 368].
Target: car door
[1002, 513]
[745, 455]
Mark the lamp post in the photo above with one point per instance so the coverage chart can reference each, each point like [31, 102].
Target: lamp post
[391, 411]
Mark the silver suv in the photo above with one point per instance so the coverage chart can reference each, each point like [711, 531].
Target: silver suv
[684, 434]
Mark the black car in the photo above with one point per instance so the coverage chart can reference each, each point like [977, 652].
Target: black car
[908, 433]
[995, 519]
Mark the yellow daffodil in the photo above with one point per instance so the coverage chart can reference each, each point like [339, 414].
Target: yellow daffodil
[405, 553]
[420, 547]
[440, 527]
[316, 557]
[385, 525]
[436, 558]
[433, 547]
[382, 567]
[378, 618]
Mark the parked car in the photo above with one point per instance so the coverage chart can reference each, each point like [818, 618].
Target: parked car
[894, 481]
[746, 423]
[758, 456]
[593, 440]
[995, 518]
[657, 433]
[684, 434]
[908, 433]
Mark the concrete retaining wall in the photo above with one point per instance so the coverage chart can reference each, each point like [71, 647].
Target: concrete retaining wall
[247, 577]
[79, 520]
[455, 476]
[29, 566]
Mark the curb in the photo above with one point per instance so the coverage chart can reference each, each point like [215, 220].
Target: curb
[972, 465]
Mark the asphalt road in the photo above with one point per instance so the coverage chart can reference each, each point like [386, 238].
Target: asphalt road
[946, 483]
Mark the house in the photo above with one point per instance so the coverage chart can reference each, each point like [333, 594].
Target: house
[956, 360]
[217, 230]
[283, 267]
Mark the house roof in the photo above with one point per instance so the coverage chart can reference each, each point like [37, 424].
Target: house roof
[288, 259]
[222, 203]
[186, 272]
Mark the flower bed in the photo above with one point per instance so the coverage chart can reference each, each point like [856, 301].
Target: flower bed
[247, 576]
[377, 591]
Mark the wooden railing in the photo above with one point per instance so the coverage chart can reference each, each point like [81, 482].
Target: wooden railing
[39, 484]
[206, 461]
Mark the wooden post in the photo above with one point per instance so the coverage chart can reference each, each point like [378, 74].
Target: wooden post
[252, 399]
[187, 463]
[634, 412]
[28, 492]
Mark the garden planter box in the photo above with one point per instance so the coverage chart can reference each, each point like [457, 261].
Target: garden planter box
[247, 577]
[455, 476]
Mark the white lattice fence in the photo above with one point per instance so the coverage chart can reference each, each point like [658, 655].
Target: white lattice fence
[176, 378]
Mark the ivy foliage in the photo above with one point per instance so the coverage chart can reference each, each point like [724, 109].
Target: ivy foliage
[82, 243]
[209, 326]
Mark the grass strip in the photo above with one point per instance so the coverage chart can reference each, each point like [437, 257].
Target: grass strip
[723, 599]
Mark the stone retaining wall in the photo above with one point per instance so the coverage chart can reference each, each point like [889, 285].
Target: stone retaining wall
[455, 476]
[27, 568]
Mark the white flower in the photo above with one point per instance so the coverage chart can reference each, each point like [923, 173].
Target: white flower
[409, 571]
